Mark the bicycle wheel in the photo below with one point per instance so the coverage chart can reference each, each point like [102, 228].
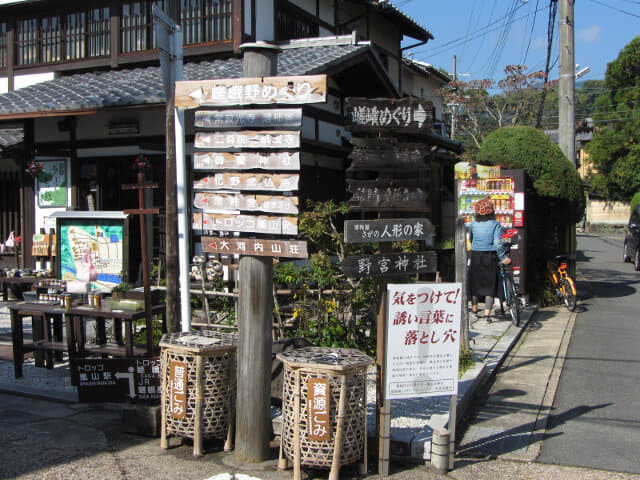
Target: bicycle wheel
[511, 299]
[568, 295]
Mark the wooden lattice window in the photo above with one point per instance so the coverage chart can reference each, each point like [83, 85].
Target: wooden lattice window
[98, 27]
[136, 25]
[293, 22]
[3, 44]
[205, 21]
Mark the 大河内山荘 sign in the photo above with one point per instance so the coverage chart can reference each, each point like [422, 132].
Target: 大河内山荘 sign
[423, 340]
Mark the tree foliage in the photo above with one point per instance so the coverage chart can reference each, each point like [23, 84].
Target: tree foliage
[481, 112]
[554, 199]
[614, 149]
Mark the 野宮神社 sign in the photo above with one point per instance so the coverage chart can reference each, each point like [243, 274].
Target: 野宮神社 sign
[178, 389]
[246, 161]
[318, 398]
[423, 340]
[389, 264]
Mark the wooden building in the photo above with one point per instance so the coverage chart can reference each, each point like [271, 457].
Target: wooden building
[80, 86]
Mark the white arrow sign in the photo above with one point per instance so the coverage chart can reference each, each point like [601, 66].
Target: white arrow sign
[132, 383]
[419, 115]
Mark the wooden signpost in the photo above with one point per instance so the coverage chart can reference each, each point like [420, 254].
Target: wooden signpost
[221, 119]
[246, 161]
[246, 223]
[248, 139]
[248, 181]
[385, 154]
[387, 176]
[388, 230]
[390, 264]
[295, 90]
[405, 115]
[220, 202]
[254, 246]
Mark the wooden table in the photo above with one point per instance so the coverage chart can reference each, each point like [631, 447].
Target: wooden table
[22, 281]
[45, 341]
[74, 320]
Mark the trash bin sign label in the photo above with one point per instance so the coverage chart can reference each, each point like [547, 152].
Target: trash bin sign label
[318, 397]
[423, 340]
[177, 386]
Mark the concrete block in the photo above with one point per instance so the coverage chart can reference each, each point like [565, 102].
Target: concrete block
[142, 419]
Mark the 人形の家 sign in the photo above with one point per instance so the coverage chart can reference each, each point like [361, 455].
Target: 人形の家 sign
[423, 340]
[392, 230]
[406, 115]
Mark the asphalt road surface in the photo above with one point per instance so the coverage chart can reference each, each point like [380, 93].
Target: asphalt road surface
[595, 419]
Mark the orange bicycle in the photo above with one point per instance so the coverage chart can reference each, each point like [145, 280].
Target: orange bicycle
[561, 282]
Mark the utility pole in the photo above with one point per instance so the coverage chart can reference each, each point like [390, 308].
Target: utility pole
[566, 125]
[454, 106]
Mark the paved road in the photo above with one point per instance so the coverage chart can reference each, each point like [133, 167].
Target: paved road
[596, 412]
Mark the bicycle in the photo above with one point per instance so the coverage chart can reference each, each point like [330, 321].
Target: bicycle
[564, 286]
[509, 290]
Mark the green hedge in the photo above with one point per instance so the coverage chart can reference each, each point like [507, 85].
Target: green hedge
[551, 174]
[635, 201]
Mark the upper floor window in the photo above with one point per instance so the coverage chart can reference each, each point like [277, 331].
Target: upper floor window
[3, 44]
[205, 21]
[292, 22]
[55, 38]
[136, 25]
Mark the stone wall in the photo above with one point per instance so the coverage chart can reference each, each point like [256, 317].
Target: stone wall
[601, 212]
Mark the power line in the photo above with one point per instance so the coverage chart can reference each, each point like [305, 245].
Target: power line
[615, 8]
[533, 24]
[480, 33]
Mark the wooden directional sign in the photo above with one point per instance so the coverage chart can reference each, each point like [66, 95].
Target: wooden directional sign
[246, 161]
[208, 201]
[390, 264]
[257, 247]
[381, 154]
[294, 90]
[390, 198]
[263, 118]
[406, 115]
[247, 181]
[388, 230]
[248, 139]
[245, 223]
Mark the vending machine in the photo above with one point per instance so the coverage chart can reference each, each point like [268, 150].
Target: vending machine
[507, 191]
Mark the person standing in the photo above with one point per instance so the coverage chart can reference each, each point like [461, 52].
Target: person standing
[486, 251]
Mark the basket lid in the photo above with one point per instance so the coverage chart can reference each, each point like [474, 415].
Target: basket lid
[335, 359]
[200, 340]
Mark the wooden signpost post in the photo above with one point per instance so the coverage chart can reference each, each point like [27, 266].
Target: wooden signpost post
[388, 176]
[231, 197]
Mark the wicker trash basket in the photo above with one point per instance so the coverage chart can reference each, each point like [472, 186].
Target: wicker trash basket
[198, 387]
[338, 437]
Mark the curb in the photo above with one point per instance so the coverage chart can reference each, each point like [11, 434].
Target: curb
[472, 380]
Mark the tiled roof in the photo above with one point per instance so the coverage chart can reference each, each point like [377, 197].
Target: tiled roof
[408, 25]
[140, 86]
[10, 137]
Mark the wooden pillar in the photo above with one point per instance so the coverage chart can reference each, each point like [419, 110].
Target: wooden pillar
[255, 305]
[171, 207]
[461, 276]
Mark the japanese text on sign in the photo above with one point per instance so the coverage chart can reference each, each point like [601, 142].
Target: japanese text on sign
[177, 389]
[423, 340]
[318, 397]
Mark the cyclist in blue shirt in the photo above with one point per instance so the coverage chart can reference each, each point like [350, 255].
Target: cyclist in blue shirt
[486, 250]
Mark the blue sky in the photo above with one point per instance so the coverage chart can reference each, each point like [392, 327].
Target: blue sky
[486, 35]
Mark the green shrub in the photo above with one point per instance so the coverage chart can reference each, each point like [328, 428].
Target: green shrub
[635, 201]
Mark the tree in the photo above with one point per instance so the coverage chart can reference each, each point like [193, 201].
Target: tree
[554, 199]
[480, 112]
[614, 149]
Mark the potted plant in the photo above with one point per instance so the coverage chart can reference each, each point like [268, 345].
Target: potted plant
[118, 291]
